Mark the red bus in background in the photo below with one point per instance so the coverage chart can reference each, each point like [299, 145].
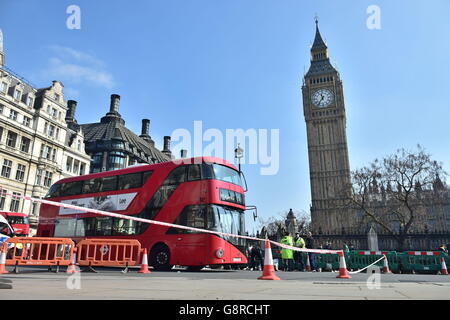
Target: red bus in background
[203, 192]
[18, 221]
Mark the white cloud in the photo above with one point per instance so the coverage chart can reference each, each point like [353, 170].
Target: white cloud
[75, 67]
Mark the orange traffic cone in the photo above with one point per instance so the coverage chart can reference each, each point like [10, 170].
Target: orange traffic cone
[73, 265]
[3, 261]
[343, 272]
[269, 269]
[443, 267]
[308, 263]
[144, 264]
[386, 265]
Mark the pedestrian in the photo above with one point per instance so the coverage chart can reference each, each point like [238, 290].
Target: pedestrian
[299, 242]
[286, 254]
[345, 248]
[351, 247]
[310, 245]
[443, 249]
[250, 258]
[256, 255]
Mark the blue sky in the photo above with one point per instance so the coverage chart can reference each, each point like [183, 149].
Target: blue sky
[239, 64]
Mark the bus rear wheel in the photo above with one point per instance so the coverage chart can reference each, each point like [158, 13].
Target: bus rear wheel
[160, 258]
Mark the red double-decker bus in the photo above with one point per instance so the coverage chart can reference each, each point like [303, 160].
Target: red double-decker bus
[203, 192]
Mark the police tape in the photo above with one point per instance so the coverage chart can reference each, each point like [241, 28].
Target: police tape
[166, 224]
[361, 270]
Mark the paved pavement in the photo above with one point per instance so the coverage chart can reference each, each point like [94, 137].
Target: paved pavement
[110, 283]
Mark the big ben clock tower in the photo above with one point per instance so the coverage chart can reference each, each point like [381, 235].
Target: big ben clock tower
[329, 169]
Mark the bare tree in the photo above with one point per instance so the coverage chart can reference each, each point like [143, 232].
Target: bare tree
[394, 193]
[276, 226]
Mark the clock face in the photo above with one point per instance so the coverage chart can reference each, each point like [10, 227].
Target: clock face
[322, 98]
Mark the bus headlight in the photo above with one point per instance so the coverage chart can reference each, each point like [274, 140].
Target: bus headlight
[219, 253]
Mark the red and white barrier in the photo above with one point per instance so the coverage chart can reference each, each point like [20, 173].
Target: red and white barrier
[424, 253]
[372, 253]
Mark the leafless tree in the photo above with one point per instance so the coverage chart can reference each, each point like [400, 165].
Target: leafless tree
[275, 225]
[394, 192]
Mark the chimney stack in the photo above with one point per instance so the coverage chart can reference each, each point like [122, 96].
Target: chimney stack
[166, 144]
[71, 108]
[145, 127]
[115, 101]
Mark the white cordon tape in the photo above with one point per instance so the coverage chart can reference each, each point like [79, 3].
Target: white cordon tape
[360, 270]
[121, 216]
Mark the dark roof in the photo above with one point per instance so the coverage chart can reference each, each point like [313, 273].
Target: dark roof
[116, 130]
[318, 44]
[320, 67]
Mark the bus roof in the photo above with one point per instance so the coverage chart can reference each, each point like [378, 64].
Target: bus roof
[146, 167]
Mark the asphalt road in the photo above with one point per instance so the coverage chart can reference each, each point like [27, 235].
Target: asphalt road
[111, 283]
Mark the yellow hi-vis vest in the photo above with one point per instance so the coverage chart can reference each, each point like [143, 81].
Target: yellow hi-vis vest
[300, 243]
[287, 253]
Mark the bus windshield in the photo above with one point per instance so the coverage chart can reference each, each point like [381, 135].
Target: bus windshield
[227, 174]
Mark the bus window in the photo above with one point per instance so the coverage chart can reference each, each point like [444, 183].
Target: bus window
[71, 188]
[92, 185]
[194, 172]
[130, 181]
[124, 227]
[207, 171]
[177, 176]
[109, 184]
[145, 176]
[54, 191]
[103, 226]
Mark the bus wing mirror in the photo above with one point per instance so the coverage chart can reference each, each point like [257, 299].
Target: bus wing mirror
[255, 211]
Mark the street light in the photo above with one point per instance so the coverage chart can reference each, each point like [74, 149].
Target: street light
[239, 153]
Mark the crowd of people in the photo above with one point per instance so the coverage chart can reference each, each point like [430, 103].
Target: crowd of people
[292, 260]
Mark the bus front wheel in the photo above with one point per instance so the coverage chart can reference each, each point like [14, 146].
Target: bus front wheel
[160, 258]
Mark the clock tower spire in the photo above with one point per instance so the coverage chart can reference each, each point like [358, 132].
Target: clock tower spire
[324, 112]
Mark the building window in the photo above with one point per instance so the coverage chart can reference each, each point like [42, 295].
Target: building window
[17, 94]
[116, 160]
[82, 168]
[6, 169]
[13, 114]
[15, 202]
[46, 152]
[48, 109]
[79, 145]
[4, 87]
[69, 164]
[1, 108]
[45, 127]
[11, 139]
[57, 134]
[39, 177]
[54, 113]
[2, 198]
[20, 173]
[30, 101]
[56, 97]
[54, 155]
[51, 130]
[26, 121]
[76, 166]
[48, 179]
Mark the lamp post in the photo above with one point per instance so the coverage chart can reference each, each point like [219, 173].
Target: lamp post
[238, 154]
